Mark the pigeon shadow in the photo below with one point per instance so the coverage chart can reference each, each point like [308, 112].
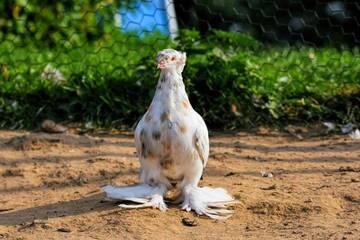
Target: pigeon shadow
[92, 203]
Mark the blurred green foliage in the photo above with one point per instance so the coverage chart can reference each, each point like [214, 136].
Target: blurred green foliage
[56, 22]
[232, 80]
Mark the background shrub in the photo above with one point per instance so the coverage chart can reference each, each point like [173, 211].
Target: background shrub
[232, 80]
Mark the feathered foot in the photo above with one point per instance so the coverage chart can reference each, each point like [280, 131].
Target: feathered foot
[146, 195]
[208, 201]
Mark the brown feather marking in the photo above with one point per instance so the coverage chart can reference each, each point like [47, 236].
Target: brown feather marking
[149, 154]
[156, 135]
[162, 78]
[166, 146]
[164, 116]
[166, 162]
[186, 103]
[143, 146]
[148, 115]
[145, 152]
[198, 148]
[183, 129]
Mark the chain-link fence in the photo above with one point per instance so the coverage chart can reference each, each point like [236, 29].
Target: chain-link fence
[315, 23]
[249, 62]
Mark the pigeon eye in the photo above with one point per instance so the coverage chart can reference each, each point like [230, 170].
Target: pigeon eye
[173, 58]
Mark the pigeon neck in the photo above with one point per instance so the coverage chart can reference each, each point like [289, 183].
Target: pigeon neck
[169, 78]
[170, 89]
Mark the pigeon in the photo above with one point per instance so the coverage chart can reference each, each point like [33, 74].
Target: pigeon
[172, 143]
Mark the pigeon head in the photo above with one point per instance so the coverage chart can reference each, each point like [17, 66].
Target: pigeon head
[170, 59]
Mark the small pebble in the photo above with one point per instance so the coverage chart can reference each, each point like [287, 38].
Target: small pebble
[189, 222]
[64, 229]
[272, 187]
[266, 174]
[50, 126]
[230, 174]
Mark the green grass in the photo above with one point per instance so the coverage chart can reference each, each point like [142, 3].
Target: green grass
[232, 80]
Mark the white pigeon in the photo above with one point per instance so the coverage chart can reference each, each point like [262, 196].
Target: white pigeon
[172, 143]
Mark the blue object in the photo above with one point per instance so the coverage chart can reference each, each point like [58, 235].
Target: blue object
[145, 16]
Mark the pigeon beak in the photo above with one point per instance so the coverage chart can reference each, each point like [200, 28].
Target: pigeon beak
[161, 64]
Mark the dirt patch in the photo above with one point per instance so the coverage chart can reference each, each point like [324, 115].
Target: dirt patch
[45, 142]
[32, 142]
[274, 208]
[13, 173]
[294, 185]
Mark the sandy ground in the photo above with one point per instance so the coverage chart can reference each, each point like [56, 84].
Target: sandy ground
[50, 187]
